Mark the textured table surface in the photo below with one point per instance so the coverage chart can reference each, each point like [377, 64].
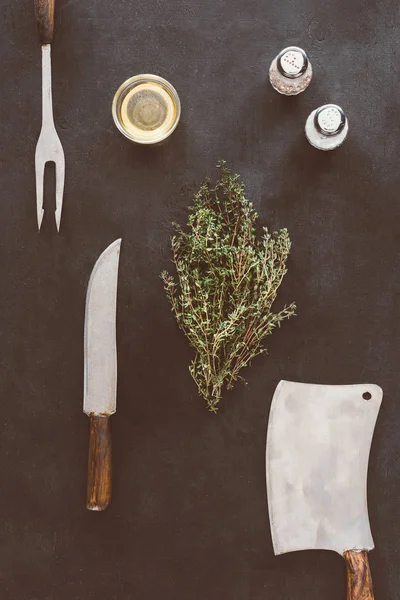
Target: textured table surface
[188, 518]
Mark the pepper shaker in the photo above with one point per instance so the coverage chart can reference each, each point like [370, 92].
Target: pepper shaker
[327, 127]
[290, 72]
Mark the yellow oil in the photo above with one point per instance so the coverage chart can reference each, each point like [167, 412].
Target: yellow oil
[148, 111]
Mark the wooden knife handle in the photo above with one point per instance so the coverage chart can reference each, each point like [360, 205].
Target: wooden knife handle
[99, 464]
[44, 10]
[359, 580]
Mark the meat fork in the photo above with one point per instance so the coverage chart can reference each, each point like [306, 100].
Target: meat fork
[48, 148]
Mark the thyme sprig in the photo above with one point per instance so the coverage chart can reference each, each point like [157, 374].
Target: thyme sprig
[227, 281]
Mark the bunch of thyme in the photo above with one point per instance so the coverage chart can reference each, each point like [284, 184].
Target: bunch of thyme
[227, 282]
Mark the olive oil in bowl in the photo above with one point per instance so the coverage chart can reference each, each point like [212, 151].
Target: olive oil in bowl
[146, 109]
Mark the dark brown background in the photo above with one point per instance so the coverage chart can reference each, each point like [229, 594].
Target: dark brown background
[189, 515]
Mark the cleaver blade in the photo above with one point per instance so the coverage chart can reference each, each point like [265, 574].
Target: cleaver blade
[318, 445]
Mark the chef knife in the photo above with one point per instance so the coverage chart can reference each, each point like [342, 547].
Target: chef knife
[100, 388]
[318, 445]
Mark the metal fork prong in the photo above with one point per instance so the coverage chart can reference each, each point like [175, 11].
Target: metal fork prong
[39, 170]
[60, 178]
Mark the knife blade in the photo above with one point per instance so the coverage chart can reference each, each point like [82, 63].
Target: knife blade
[318, 445]
[100, 385]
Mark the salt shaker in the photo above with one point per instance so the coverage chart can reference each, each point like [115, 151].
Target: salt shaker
[290, 72]
[327, 127]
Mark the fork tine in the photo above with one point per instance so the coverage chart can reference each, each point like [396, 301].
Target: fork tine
[60, 178]
[39, 170]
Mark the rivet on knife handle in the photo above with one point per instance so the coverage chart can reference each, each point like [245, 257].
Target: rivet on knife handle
[99, 464]
[44, 10]
[359, 580]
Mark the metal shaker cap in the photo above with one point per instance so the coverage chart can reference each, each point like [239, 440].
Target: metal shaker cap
[329, 119]
[290, 72]
[327, 127]
[292, 62]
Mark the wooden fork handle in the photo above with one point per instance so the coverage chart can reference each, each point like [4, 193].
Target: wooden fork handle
[359, 580]
[99, 464]
[44, 10]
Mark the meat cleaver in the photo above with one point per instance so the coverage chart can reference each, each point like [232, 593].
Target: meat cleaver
[100, 388]
[318, 445]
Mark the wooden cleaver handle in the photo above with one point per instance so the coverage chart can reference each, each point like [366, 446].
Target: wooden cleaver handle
[359, 580]
[44, 10]
[99, 464]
